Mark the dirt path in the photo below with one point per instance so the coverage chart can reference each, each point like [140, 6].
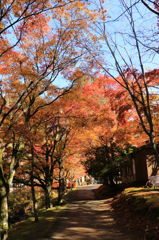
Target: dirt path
[88, 219]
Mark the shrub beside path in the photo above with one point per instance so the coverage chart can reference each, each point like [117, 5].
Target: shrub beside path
[88, 219]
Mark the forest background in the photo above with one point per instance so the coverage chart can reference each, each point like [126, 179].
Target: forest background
[79, 83]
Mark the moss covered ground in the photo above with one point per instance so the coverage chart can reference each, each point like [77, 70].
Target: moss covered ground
[30, 230]
[137, 209]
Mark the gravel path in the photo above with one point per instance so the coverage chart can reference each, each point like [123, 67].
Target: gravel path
[88, 219]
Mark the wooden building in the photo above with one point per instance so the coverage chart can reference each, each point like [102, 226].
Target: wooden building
[139, 166]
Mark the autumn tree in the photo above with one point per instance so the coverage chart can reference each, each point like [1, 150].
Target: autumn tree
[39, 161]
[106, 119]
[12, 149]
[129, 70]
[14, 15]
[153, 6]
[31, 64]
[105, 162]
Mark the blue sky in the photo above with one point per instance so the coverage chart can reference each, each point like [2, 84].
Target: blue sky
[146, 25]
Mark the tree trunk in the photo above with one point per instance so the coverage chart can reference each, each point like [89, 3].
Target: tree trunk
[61, 190]
[5, 184]
[4, 226]
[48, 191]
[34, 200]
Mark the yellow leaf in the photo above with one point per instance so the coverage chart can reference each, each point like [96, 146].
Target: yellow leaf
[1, 25]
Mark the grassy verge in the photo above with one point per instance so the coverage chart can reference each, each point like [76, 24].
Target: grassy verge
[30, 230]
[144, 201]
[137, 210]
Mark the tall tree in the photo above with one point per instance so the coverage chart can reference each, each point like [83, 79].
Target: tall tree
[153, 6]
[30, 65]
[132, 77]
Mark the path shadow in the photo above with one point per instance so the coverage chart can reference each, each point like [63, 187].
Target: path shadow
[88, 220]
[79, 195]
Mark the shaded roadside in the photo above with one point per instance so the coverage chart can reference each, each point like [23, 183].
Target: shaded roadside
[83, 218]
[140, 210]
[87, 218]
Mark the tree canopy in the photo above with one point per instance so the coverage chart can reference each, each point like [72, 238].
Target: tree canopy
[78, 92]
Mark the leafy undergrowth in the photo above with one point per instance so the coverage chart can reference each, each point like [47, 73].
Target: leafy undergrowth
[137, 209]
[30, 230]
[20, 203]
